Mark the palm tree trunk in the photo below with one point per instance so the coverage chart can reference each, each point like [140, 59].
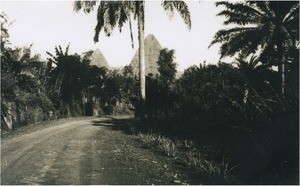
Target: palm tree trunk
[283, 80]
[246, 93]
[281, 69]
[142, 59]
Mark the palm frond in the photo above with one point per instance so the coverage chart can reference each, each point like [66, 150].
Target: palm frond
[87, 6]
[100, 21]
[246, 41]
[122, 18]
[181, 7]
[262, 6]
[241, 8]
[237, 18]
[129, 8]
[51, 55]
[292, 13]
[107, 27]
[247, 66]
[131, 33]
[112, 14]
[67, 49]
[291, 23]
[225, 35]
[168, 7]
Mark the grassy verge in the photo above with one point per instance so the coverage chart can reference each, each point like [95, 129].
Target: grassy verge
[185, 152]
[268, 154]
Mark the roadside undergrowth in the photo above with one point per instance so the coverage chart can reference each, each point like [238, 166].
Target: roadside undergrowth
[185, 152]
[159, 142]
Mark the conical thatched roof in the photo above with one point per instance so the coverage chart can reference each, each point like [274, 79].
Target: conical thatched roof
[97, 58]
[152, 49]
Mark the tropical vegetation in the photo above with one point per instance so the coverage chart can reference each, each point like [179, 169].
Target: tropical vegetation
[270, 28]
[116, 13]
[236, 123]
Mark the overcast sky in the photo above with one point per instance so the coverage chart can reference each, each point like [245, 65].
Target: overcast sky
[47, 24]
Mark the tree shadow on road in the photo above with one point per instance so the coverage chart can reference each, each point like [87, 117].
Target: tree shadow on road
[124, 125]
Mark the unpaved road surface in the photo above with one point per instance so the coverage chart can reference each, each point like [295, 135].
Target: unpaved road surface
[90, 151]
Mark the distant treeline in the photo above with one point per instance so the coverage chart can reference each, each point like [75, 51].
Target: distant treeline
[64, 86]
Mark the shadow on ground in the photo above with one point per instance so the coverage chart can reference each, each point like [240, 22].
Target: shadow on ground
[124, 125]
[127, 126]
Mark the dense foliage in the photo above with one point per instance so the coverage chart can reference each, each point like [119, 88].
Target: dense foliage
[65, 85]
[247, 110]
[23, 98]
[233, 110]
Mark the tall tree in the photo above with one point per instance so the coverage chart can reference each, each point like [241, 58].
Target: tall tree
[166, 80]
[115, 13]
[268, 27]
[166, 66]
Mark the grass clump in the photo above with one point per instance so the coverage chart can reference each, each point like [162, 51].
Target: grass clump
[220, 172]
[185, 152]
[162, 143]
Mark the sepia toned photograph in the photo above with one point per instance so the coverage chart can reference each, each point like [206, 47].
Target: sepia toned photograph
[149, 92]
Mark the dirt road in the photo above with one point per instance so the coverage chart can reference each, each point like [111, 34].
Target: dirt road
[91, 151]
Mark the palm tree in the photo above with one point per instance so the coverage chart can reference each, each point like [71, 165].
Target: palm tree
[115, 13]
[247, 70]
[266, 27]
